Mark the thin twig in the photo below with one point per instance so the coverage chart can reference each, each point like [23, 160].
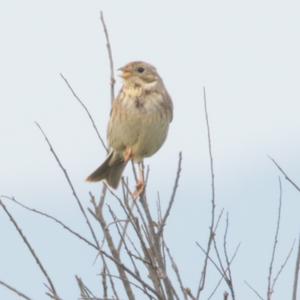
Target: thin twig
[222, 277]
[285, 175]
[176, 271]
[86, 293]
[86, 110]
[164, 219]
[213, 204]
[34, 255]
[104, 283]
[70, 184]
[110, 57]
[269, 288]
[20, 294]
[127, 270]
[155, 249]
[53, 219]
[283, 265]
[230, 280]
[253, 290]
[221, 272]
[135, 285]
[296, 276]
[100, 218]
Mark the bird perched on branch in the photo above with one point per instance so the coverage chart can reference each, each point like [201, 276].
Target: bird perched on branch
[138, 124]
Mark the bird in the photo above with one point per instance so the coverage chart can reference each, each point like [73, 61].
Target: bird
[138, 125]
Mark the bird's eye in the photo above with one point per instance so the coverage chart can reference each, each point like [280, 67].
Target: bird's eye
[140, 69]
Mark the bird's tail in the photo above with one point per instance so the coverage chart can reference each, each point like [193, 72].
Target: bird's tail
[111, 170]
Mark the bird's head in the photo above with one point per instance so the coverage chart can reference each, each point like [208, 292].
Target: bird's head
[139, 73]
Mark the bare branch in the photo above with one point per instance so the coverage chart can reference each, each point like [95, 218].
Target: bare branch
[70, 184]
[296, 276]
[253, 290]
[110, 57]
[164, 220]
[135, 285]
[222, 276]
[285, 175]
[86, 110]
[14, 290]
[176, 271]
[25, 240]
[84, 290]
[100, 218]
[155, 249]
[213, 204]
[283, 265]
[104, 282]
[270, 289]
[53, 219]
[230, 280]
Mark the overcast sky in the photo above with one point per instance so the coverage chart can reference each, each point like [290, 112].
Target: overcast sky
[246, 54]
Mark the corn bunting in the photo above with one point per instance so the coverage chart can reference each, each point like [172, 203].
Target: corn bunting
[138, 124]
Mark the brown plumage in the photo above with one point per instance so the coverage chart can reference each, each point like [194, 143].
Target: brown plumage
[139, 121]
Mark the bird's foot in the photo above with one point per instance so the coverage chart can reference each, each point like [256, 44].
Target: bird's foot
[140, 188]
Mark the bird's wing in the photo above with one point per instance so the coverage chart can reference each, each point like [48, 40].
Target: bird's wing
[123, 128]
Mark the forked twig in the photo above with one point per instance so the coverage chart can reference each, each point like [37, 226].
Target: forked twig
[228, 266]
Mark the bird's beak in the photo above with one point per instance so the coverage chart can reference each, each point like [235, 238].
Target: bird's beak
[125, 72]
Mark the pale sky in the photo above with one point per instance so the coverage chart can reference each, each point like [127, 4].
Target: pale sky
[246, 54]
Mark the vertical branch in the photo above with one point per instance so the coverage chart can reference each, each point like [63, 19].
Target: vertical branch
[229, 280]
[213, 205]
[116, 255]
[39, 263]
[296, 276]
[104, 282]
[110, 57]
[164, 219]
[154, 241]
[269, 289]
